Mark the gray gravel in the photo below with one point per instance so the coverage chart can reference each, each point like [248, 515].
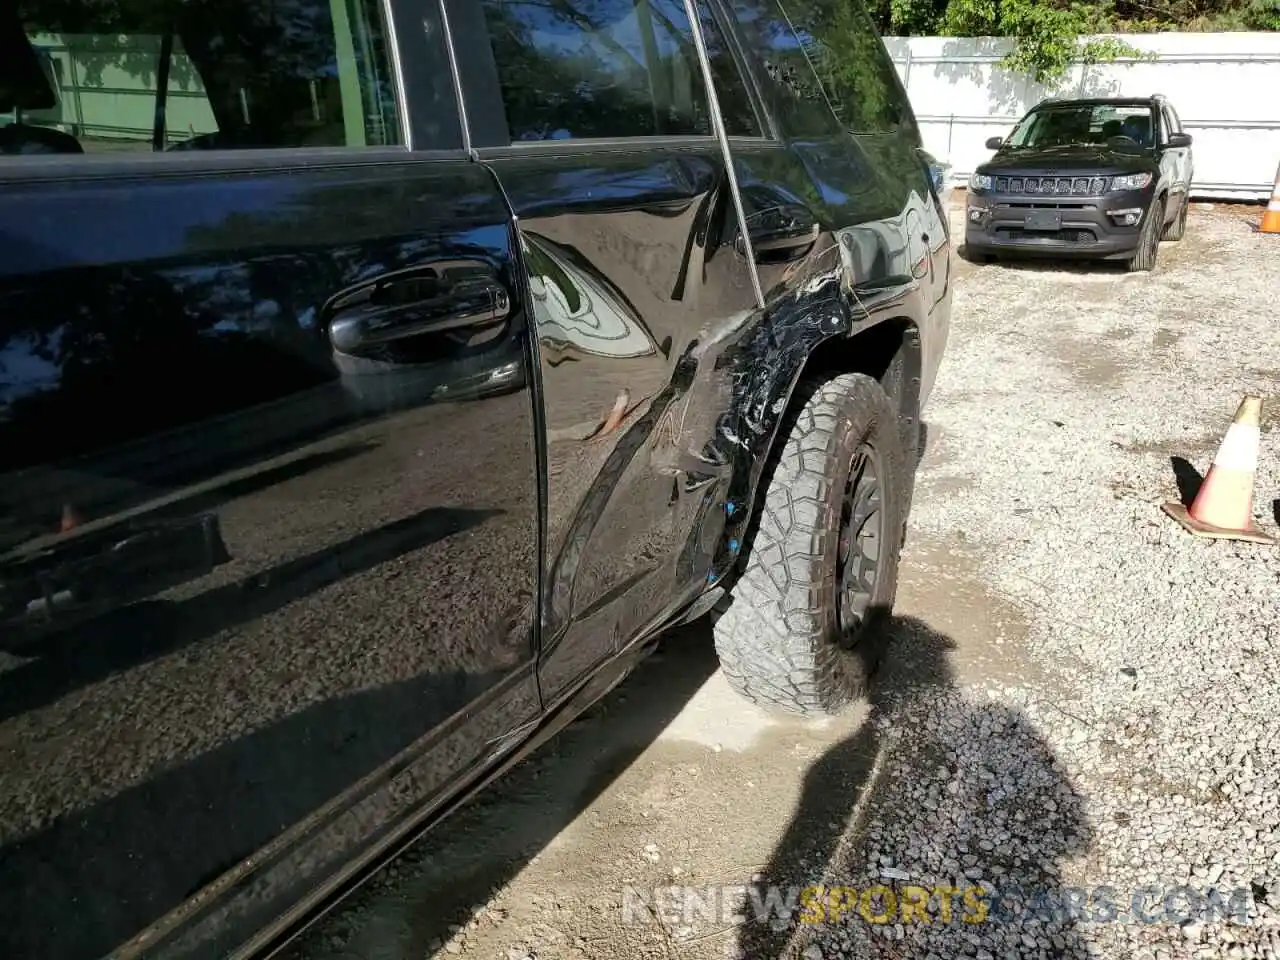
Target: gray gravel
[1150, 753]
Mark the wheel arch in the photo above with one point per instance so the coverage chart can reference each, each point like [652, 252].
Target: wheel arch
[888, 352]
[827, 339]
[1164, 191]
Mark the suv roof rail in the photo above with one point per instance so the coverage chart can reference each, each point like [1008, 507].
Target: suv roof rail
[1158, 96]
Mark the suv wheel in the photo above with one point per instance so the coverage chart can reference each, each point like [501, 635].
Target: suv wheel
[1144, 258]
[1178, 228]
[806, 621]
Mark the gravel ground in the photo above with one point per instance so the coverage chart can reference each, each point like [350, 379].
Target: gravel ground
[1152, 757]
[1079, 695]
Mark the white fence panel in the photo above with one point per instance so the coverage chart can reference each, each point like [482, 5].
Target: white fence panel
[1223, 85]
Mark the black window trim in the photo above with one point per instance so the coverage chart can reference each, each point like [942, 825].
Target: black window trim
[395, 13]
[412, 28]
[476, 80]
[582, 146]
[748, 67]
[146, 167]
[474, 31]
[717, 126]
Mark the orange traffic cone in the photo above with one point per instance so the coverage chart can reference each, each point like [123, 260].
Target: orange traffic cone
[1271, 219]
[1223, 509]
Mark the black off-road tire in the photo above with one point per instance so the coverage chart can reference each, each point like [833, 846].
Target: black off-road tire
[1144, 258]
[780, 640]
[1178, 229]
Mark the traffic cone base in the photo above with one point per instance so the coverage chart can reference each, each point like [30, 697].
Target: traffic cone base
[1251, 533]
[1271, 216]
[1223, 507]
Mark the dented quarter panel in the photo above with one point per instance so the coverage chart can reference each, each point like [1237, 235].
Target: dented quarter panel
[869, 263]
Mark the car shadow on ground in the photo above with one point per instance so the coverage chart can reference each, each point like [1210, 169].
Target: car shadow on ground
[962, 791]
[957, 792]
[1032, 264]
[430, 891]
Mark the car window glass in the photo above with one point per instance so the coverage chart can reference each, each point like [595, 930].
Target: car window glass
[1083, 124]
[851, 62]
[144, 75]
[796, 97]
[574, 69]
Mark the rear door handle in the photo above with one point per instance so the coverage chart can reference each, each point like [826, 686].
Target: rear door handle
[437, 297]
[780, 229]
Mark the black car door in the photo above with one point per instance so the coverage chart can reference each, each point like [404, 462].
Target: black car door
[268, 488]
[594, 118]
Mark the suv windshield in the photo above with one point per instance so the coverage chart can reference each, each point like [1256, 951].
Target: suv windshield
[1067, 124]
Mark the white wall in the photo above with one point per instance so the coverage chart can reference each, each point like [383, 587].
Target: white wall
[1224, 86]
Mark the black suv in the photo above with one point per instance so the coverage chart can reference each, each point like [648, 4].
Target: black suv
[1104, 179]
[377, 381]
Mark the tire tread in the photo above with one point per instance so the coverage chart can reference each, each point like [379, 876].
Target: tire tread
[773, 638]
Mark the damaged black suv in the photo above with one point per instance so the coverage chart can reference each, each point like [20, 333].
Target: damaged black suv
[380, 380]
[1098, 178]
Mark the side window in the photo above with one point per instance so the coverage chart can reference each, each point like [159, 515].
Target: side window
[574, 69]
[796, 97]
[826, 59]
[136, 75]
[851, 62]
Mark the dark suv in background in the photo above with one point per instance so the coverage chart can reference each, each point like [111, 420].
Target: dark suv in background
[378, 380]
[1100, 178]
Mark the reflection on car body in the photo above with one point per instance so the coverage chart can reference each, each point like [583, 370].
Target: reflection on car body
[576, 311]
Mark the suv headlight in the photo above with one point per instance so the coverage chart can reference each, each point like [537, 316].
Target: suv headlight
[1131, 181]
[979, 181]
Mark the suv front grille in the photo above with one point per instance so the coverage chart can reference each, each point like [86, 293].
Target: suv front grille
[1052, 186]
[1066, 235]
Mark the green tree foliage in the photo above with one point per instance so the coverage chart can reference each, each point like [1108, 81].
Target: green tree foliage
[1047, 34]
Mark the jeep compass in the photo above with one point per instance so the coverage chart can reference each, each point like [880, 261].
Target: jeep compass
[1100, 179]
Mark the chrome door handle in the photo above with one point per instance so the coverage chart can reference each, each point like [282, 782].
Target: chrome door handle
[430, 299]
